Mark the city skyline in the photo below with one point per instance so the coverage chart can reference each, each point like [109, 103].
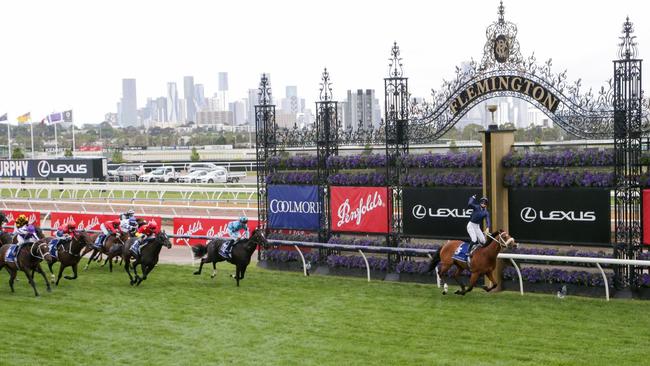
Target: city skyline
[82, 60]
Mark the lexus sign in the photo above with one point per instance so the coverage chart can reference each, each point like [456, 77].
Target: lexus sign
[437, 212]
[53, 168]
[568, 216]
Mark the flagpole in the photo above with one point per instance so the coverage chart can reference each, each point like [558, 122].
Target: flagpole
[56, 143]
[32, 128]
[9, 139]
[73, 138]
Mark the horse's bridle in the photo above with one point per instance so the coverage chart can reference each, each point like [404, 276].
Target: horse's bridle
[503, 243]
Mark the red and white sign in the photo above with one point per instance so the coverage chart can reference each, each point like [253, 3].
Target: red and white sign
[645, 208]
[33, 217]
[359, 209]
[89, 221]
[208, 227]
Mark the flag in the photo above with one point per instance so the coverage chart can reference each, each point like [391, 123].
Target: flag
[54, 118]
[67, 116]
[25, 118]
[3, 117]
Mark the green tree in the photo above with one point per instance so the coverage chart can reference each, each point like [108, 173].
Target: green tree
[195, 155]
[367, 150]
[17, 153]
[117, 157]
[67, 153]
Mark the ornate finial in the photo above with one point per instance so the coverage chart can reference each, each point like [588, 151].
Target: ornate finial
[627, 46]
[501, 12]
[264, 94]
[395, 63]
[325, 87]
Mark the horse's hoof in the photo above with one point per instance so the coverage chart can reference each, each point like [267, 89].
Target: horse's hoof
[196, 273]
[85, 267]
[52, 278]
[213, 276]
[132, 282]
[459, 292]
[444, 292]
[68, 278]
[49, 289]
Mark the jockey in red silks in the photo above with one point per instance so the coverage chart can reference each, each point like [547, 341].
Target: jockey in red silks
[63, 233]
[109, 227]
[145, 234]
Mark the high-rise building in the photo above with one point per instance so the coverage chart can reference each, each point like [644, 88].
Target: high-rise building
[172, 103]
[223, 81]
[190, 101]
[291, 103]
[199, 97]
[129, 104]
[238, 109]
[251, 102]
[362, 107]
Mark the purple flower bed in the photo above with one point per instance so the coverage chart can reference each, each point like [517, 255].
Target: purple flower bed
[357, 179]
[356, 161]
[293, 162]
[291, 178]
[365, 242]
[558, 179]
[644, 280]
[565, 158]
[465, 179]
[540, 275]
[313, 238]
[277, 255]
[356, 261]
[450, 160]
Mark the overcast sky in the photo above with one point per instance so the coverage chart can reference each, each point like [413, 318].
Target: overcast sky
[59, 55]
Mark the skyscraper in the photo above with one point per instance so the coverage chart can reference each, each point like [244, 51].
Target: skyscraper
[190, 101]
[173, 114]
[129, 104]
[362, 107]
[199, 97]
[251, 101]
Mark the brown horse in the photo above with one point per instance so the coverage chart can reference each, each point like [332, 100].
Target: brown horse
[483, 261]
[68, 253]
[114, 239]
[147, 259]
[240, 254]
[9, 238]
[28, 260]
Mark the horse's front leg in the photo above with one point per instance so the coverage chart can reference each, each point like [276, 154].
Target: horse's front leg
[90, 259]
[494, 283]
[198, 272]
[58, 278]
[135, 271]
[127, 265]
[30, 279]
[12, 278]
[39, 269]
[472, 281]
[49, 266]
[442, 272]
[459, 281]
[74, 272]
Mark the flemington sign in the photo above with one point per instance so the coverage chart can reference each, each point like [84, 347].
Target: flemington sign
[493, 84]
[53, 168]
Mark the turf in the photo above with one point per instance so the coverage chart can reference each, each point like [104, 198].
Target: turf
[283, 318]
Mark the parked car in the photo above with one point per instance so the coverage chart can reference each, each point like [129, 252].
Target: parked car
[201, 166]
[193, 177]
[222, 175]
[126, 172]
[166, 174]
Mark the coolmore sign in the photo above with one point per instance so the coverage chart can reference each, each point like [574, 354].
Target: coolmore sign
[359, 209]
[294, 207]
[53, 168]
[437, 212]
[567, 216]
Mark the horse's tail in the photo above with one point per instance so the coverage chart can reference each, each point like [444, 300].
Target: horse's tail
[199, 250]
[434, 261]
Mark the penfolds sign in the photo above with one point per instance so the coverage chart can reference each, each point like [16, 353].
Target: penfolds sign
[90, 221]
[359, 209]
[201, 226]
[32, 216]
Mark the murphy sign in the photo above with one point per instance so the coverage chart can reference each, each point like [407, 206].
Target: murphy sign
[53, 168]
[506, 83]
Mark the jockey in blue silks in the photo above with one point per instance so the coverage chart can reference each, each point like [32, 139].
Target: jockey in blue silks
[234, 231]
[479, 213]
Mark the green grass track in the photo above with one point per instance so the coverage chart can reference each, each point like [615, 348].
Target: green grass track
[283, 318]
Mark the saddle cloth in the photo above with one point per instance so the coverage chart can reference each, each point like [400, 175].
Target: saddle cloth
[10, 256]
[222, 250]
[461, 252]
[137, 246]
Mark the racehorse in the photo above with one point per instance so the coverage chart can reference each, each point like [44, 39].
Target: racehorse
[28, 260]
[9, 238]
[112, 240]
[69, 254]
[240, 254]
[147, 259]
[483, 261]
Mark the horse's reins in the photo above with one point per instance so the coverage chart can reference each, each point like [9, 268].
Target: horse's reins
[502, 243]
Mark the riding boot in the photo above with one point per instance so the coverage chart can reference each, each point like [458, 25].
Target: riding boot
[472, 248]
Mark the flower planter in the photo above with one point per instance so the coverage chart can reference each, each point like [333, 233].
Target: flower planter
[553, 288]
[281, 266]
[418, 278]
[356, 272]
[642, 293]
